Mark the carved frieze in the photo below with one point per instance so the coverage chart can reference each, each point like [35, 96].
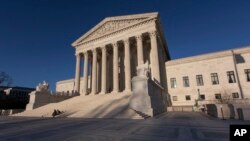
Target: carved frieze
[111, 26]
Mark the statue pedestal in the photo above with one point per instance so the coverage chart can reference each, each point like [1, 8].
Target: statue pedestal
[148, 97]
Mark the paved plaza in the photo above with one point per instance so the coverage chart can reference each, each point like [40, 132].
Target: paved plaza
[172, 126]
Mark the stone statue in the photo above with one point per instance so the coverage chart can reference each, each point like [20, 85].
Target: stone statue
[42, 87]
[143, 70]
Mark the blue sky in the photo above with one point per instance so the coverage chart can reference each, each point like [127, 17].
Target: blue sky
[36, 35]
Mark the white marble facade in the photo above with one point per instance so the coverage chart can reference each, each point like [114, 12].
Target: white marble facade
[111, 51]
[234, 87]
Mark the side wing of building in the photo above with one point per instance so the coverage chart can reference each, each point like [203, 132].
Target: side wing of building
[209, 77]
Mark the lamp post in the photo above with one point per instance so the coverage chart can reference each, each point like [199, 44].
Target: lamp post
[222, 112]
[198, 94]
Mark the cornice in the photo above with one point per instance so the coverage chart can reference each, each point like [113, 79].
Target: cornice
[208, 56]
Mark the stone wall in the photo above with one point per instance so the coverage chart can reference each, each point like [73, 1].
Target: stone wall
[6, 112]
[38, 99]
[68, 85]
[229, 111]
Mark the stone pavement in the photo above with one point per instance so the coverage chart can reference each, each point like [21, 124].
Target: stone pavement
[172, 126]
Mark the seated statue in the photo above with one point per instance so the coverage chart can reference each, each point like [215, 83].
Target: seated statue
[143, 70]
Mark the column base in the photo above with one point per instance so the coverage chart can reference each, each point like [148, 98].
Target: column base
[83, 94]
[102, 93]
[127, 92]
[92, 93]
[114, 92]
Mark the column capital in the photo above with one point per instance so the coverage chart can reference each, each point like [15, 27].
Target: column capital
[85, 53]
[138, 37]
[78, 54]
[153, 33]
[104, 48]
[94, 50]
[114, 44]
[126, 41]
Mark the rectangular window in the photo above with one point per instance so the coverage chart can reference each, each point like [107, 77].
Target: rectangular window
[199, 80]
[231, 77]
[217, 96]
[173, 82]
[175, 98]
[214, 78]
[247, 72]
[185, 81]
[202, 97]
[188, 97]
[235, 95]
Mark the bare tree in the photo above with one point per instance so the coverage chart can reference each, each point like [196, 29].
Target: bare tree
[5, 79]
[226, 97]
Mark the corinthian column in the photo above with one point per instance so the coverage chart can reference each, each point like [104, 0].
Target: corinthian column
[85, 81]
[154, 57]
[77, 75]
[127, 66]
[104, 69]
[94, 72]
[139, 50]
[115, 69]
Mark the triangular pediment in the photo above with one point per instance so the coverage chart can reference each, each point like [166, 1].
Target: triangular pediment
[112, 24]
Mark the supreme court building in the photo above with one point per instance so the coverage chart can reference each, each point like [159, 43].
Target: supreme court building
[111, 51]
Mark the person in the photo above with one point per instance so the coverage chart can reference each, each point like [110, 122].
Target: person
[58, 112]
[54, 113]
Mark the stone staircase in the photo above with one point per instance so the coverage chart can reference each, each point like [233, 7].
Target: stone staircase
[90, 106]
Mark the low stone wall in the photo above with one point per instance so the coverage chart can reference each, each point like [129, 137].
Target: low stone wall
[231, 101]
[220, 110]
[187, 108]
[241, 111]
[229, 111]
[38, 99]
[6, 112]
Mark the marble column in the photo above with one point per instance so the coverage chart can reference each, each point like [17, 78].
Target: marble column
[85, 81]
[155, 68]
[115, 69]
[104, 71]
[139, 50]
[127, 66]
[93, 91]
[77, 75]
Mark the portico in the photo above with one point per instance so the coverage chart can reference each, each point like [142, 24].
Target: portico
[111, 51]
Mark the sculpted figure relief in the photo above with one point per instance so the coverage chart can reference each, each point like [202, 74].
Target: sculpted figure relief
[111, 26]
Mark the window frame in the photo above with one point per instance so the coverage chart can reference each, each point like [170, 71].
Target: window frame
[215, 78]
[231, 77]
[173, 85]
[199, 78]
[218, 94]
[188, 97]
[202, 98]
[185, 80]
[235, 97]
[247, 73]
[175, 98]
